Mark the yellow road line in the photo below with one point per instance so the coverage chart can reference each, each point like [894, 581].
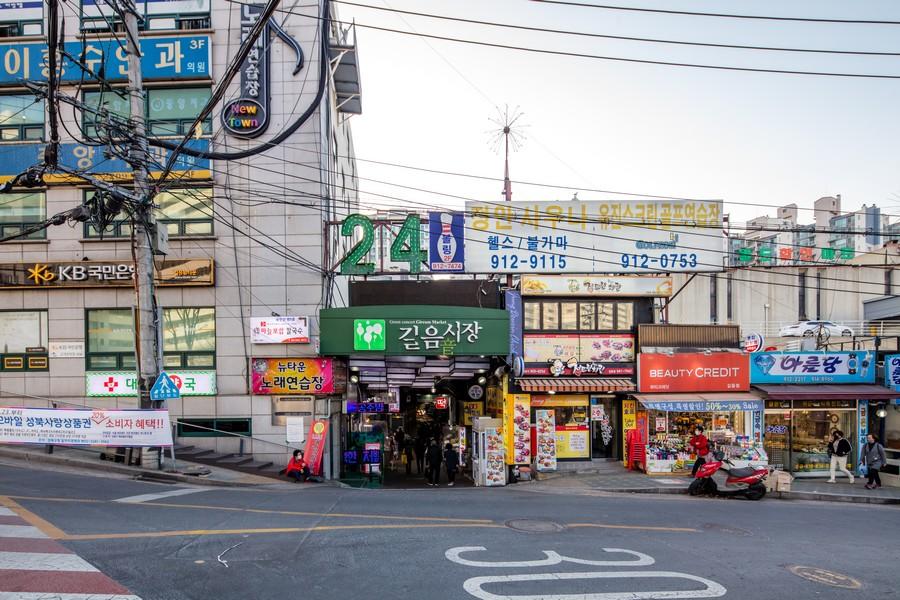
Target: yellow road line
[638, 527]
[49, 529]
[205, 532]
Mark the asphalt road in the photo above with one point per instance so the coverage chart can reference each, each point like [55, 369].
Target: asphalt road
[174, 542]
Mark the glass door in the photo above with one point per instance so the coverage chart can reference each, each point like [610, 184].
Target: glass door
[777, 439]
[603, 428]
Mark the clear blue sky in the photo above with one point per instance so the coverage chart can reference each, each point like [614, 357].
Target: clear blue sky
[750, 139]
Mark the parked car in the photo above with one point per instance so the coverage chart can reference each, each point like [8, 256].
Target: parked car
[810, 328]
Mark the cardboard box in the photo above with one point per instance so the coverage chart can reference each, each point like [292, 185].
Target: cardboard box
[782, 481]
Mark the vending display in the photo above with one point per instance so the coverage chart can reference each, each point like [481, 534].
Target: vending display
[545, 422]
[488, 463]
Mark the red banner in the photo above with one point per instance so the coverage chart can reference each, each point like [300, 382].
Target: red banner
[315, 446]
[694, 372]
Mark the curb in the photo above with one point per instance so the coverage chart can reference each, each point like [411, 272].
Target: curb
[815, 496]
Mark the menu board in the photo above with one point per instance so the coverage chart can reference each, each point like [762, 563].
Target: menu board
[521, 434]
[572, 440]
[545, 421]
[495, 467]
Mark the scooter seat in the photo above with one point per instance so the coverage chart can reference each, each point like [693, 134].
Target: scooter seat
[742, 472]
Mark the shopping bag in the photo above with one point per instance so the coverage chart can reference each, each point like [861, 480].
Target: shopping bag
[863, 470]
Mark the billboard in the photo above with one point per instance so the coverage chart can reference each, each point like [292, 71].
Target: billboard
[85, 427]
[617, 236]
[279, 330]
[813, 367]
[276, 376]
[594, 354]
[596, 285]
[446, 242]
[693, 372]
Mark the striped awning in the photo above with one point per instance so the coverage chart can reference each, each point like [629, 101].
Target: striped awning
[572, 384]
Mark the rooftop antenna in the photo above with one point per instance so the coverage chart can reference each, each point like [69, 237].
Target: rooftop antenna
[508, 132]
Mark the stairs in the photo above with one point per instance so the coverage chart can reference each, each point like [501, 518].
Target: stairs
[244, 464]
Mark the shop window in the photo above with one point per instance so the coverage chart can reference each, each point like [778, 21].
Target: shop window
[801, 299]
[99, 17]
[21, 211]
[10, 29]
[23, 340]
[189, 339]
[532, 319]
[21, 118]
[185, 213]
[605, 315]
[569, 315]
[169, 111]
[624, 315]
[550, 315]
[729, 298]
[587, 319]
[713, 299]
[214, 427]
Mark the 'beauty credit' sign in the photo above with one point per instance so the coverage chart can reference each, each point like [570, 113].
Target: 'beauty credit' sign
[85, 427]
[812, 367]
[693, 372]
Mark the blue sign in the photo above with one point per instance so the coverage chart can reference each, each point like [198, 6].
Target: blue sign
[704, 405]
[812, 367]
[366, 407]
[14, 159]
[892, 371]
[163, 58]
[513, 302]
[164, 389]
[446, 242]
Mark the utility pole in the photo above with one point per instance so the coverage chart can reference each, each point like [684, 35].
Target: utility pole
[147, 325]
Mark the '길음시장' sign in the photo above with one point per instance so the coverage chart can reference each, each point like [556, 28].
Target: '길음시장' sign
[85, 427]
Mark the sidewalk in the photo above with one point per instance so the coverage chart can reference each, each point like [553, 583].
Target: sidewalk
[624, 481]
[90, 459]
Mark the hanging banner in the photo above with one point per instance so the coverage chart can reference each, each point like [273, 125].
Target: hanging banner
[315, 446]
[517, 429]
[111, 384]
[616, 236]
[285, 376]
[892, 371]
[596, 285]
[85, 427]
[279, 330]
[545, 455]
[813, 367]
[446, 245]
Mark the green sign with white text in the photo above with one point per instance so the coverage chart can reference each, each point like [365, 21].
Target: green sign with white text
[414, 330]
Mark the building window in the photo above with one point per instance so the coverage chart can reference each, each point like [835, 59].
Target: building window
[729, 298]
[713, 298]
[888, 288]
[569, 311]
[801, 300]
[543, 315]
[169, 111]
[550, 316]
[214, 427]
[818, 295]
[97, 16]
[185, 213]
[11, 29]
[21, 118]
[21, 211]
[189, 338]
[532, 320]
[23, 340]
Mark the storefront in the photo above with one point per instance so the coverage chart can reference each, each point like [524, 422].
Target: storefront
[809, 395]
[679, 392]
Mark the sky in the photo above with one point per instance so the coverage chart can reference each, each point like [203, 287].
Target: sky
[755, 140]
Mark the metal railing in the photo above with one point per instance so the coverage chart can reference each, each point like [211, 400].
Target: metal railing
[859, 328]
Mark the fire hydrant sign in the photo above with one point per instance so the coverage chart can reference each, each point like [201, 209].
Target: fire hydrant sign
[85, 427]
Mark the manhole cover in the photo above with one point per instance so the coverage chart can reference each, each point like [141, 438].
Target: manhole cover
[534, 526]
[727, 529]
[825, 577]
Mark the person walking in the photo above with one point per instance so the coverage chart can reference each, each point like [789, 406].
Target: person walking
[700, 445]
[874, 458]
[451, 462]
[433, 463]
[420, 453]
[408, 453]
[839, 449]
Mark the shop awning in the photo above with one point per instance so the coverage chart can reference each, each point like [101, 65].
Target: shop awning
[827, 392]
[581, 384]
[701, 402]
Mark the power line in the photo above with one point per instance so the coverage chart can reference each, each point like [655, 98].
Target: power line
[720, 15]
[612, 37]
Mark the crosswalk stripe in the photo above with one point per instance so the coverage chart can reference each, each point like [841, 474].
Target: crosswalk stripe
[21, 531]
[43, 561]
[50, 596]
[160, 495]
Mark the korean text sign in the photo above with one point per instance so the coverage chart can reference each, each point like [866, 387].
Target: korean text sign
[85, 427]
[279, 330]
[162, 58]
[315, 445]
[292, 376]
[812, 367]
[617, 236]
[892, 371]
[693, 372]
[124, 383]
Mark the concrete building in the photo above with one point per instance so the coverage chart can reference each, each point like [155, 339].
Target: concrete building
[245, 232]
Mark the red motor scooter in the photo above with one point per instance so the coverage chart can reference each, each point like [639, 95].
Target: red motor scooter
[721, 478]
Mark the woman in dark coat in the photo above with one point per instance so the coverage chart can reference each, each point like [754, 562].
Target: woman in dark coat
[874, 458]
[451, 460]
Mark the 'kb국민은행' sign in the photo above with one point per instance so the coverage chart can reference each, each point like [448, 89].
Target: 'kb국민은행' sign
[296, 375]
[414, 330]
[84, 274]
[85, 427]
[812, 367]
[125, 384]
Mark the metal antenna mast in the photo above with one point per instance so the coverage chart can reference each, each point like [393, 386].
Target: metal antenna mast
[508, 132]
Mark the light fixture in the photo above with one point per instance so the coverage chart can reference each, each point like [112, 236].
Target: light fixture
[551, 392]
[433, 390]
[881, 413]
[354, 379]
[482, 380]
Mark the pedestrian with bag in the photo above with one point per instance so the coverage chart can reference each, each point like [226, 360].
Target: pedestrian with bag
[838, 450]
[433, 461]
[873, 459]
[451, 462]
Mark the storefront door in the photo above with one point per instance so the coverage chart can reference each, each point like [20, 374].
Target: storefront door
[777, 438]
[604, 426]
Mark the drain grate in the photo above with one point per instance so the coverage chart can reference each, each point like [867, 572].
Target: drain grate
[825, 577]
[534, 526]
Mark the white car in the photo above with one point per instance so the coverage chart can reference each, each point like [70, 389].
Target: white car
[811, 328]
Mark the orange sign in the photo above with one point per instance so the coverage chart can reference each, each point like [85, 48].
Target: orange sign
[315, 446]
[694, 372]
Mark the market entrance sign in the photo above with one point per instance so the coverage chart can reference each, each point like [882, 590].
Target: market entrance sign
[812, 367]
[414, 330]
